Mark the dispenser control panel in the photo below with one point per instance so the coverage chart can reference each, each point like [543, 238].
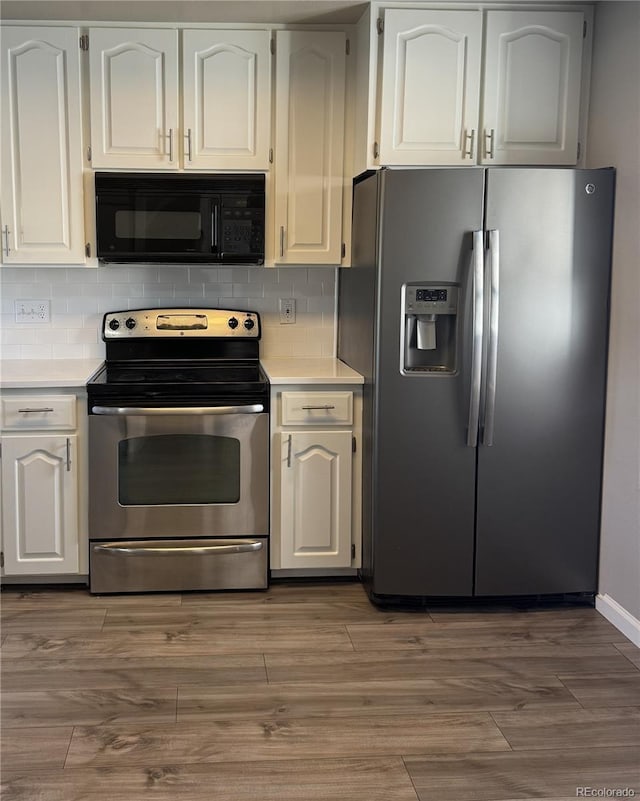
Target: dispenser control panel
[431, 299]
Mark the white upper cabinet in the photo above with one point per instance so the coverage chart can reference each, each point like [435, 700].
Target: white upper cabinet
[430, 87]
[226, 96]
[462, 87]
[134, 97]
[41, 127]
[531, 106]
[310, 106]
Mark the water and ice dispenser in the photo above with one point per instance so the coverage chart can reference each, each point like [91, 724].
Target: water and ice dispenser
[429, 329]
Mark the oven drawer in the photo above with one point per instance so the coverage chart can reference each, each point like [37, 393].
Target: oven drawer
[317, 408]
[179, 565]
[36, 412]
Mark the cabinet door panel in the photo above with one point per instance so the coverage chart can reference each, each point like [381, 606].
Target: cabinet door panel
[430, 86]
[316, 499]
[40, 505]
[41, 147]
[227, 86]
[532, 87]
[134, 97]
[309, 147]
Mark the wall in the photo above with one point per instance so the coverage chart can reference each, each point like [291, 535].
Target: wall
[79, 296]
[614, 134]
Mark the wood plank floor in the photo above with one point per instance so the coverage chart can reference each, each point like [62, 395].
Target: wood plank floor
[307, 692]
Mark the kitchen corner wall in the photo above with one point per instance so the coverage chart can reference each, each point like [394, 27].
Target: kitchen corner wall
[80, 295]
[614, 133]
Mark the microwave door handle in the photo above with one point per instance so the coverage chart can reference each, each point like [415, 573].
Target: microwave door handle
[214, 228]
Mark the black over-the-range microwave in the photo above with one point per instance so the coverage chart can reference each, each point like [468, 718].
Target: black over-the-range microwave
[180, 218]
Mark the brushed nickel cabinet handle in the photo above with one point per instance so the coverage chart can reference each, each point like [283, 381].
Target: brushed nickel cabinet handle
[6, 233]
[35, 411]
[289, 452]
[187, 136]
[490, 138]
[170, 144]
[282, 240]
[68, 455]
[323, 408]
[471, 138]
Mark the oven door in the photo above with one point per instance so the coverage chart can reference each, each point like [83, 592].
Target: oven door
[164, 483]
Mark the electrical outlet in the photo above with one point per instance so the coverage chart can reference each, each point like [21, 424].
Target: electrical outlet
[33, 311]
[287, 311]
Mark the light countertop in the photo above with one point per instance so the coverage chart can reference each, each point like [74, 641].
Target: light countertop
[35, 373]
[309, 371]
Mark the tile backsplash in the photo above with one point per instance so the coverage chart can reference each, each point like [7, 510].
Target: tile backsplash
[80, 296]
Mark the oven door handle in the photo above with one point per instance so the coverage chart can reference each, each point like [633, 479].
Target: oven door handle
[159, 548]
[253, 408]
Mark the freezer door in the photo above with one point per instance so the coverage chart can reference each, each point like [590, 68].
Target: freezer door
[424, 470]
[538, 492]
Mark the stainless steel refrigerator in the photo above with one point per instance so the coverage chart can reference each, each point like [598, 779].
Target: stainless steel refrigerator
[477, 310]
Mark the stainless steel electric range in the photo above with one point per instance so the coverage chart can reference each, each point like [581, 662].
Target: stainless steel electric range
[178, 453]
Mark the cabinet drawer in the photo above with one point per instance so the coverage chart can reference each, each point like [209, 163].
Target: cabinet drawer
[317, 408]
[38, 412]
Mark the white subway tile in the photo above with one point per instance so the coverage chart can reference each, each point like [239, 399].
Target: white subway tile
[93, 351]
[245, 290]
[23, 335]
[96, 290]
[113, 274]
[233, 275]
[83, 336]
[52, 336]
[82, 305]
[10, 352]
[18, 275]
[127, 290]
[68, 351]
[82, 275]
[203, 275]
[36, 351]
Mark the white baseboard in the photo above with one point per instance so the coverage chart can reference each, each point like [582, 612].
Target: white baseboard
[617, 615]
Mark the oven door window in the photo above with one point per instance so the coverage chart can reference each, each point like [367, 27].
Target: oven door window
[178, 469]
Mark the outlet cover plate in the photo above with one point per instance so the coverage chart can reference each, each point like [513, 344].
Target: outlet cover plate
[33, 311]
[287, 311]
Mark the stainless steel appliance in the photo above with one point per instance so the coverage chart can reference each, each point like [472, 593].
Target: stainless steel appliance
[178, 453]
[477, 309]
[164, 217]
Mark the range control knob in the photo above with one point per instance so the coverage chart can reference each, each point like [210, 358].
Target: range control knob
[114, 325]
[249, 324]
[130, 323]
[233, 323]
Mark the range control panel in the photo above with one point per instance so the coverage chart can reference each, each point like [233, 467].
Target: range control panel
[426, 299]
[148, 323]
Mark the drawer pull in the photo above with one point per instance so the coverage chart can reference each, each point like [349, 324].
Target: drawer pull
[324, 408]
[35, 411]
[68, 455]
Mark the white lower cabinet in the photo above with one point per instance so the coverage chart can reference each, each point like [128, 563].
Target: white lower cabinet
[316, 499]
[315, 480]
[40, 504]
[42, 507]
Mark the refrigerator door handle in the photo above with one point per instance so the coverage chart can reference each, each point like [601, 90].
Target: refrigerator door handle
[476, 338]
[492, 348]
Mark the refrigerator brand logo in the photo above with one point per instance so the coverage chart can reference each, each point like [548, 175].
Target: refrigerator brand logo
[590, 189]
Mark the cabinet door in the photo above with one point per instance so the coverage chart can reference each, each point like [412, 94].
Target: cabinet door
[532, 77]
[310, 91]
[134, 98]
[430, 87]
[316, 499]
[226, 99]
[40, 504]
[42, 210]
